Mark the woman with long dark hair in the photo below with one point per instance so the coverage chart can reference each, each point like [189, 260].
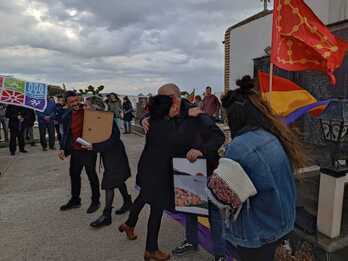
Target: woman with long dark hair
[115, 106]
[269, 152]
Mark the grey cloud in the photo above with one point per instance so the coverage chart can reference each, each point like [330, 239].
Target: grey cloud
[134, 44]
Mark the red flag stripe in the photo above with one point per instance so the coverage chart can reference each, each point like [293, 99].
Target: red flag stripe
[279, 83]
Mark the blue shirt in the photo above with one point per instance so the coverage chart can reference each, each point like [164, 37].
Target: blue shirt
[271, 212]
[49, 111]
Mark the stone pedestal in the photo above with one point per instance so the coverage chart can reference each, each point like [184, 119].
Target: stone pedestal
[330, 205]
[321, 247]
[307, 184]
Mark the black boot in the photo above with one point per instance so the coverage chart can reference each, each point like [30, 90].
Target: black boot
[73, 203]
[93, 207]
[103, 220]
[127, 204]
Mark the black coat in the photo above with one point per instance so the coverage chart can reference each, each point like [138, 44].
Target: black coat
[12, 113]
[127, 111]
[60, 111]
[29, 117]
[171, 138]
[115, 160]
[155, 172]
[199, 133]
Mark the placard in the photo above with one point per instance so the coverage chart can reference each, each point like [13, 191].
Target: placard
[190, 182]
[21, 93]
[97, 126]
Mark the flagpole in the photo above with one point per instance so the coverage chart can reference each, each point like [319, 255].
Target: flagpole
[270, 82]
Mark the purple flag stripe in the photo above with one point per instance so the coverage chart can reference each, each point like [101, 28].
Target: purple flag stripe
[300, 112]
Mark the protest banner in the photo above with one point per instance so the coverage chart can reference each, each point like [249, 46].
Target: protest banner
[190, 181]
[31, 95]
[97, 126]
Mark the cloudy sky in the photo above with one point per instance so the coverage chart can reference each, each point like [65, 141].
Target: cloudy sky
[130, 46]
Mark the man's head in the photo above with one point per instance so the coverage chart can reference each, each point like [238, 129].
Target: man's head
[169, 89]
[60, 100]
[208, 91]
[72, 100]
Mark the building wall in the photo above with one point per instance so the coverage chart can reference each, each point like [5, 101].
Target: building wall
[250, 40]
[338, 11]
[246, 43]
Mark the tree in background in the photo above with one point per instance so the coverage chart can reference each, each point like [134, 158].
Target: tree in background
[92, 90]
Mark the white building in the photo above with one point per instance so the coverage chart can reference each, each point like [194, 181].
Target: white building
[248, 39]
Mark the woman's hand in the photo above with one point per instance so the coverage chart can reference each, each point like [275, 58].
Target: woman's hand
[193, 155]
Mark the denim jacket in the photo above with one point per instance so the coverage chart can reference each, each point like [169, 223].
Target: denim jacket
[270, 214]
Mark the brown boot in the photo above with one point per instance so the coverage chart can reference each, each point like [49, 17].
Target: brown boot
[156, 255]
[129, 231]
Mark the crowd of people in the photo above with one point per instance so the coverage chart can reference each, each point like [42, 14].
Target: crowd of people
[252, 213]
[17, 123]
[251, 187]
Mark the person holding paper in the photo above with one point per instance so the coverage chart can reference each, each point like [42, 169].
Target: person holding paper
[172, 134]
[80, 157]
[196, 137]
[115, 161]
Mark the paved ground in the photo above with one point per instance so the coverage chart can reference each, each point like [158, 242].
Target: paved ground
[34, 185]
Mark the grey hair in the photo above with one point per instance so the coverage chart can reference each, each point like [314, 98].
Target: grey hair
[97, 102]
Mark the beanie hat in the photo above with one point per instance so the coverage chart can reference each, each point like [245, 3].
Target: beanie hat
[229, 187]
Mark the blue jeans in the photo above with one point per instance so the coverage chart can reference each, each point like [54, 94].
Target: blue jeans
[118, 122]
[127, 126]
[216, 230]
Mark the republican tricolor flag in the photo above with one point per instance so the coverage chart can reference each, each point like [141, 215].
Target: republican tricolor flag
[289, 100]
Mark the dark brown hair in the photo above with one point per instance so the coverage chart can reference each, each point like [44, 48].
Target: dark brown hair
[159, 106]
